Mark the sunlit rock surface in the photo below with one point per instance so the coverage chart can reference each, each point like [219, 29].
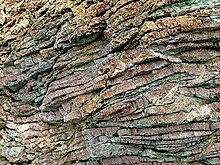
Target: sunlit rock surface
[110, 82]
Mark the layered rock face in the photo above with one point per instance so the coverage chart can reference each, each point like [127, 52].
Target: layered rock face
[110, 82]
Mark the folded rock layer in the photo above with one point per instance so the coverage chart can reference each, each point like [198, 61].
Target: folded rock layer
[110, 82]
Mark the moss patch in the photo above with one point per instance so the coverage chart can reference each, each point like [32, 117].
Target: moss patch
[87, 39]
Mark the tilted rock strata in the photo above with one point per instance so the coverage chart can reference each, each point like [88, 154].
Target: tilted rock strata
[110, 82]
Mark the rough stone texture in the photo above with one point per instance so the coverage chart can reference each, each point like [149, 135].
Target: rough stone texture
[110, 82]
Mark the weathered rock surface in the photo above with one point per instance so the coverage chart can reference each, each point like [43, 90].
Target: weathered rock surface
[110, 82]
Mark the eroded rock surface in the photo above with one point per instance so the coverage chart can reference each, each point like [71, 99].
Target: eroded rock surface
[110, 82]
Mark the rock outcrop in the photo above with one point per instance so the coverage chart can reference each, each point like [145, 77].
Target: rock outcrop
[110, 82]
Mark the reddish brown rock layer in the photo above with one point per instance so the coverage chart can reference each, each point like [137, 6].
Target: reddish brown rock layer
[110, 82]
